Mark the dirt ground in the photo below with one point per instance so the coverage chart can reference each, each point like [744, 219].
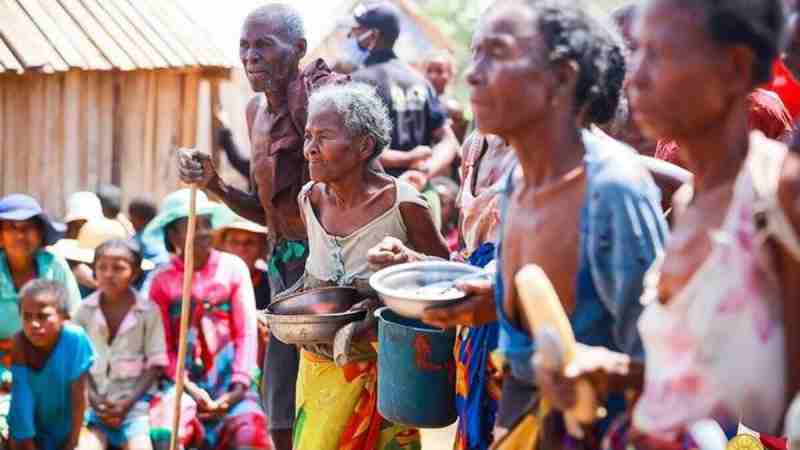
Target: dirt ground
[438, 439]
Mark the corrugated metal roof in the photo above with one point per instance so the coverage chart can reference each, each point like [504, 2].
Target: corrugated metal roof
[59, 35]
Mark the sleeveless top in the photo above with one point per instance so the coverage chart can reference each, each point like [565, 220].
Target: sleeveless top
[717, 348]
[480, 214]
[342, 260]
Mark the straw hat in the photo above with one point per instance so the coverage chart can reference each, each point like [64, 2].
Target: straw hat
[237, 223]
[83, 206]
[18, 207]
[244, 225]
[92, 234]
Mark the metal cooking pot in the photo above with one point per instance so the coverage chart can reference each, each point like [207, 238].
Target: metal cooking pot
[402, 287]
[313, 317]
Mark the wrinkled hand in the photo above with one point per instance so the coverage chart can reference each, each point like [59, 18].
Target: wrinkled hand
[368, 304]
[355, 331]
[222, 117]
[477, 309]
[195, 167]
[595, 364]
[415, 178]
[366, 326]
[202, 398]
[113, 413]
[98, 403]
[389, 252]
[231, 398]
[263, 327]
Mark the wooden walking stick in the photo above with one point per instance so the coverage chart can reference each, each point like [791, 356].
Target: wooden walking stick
[186, 302]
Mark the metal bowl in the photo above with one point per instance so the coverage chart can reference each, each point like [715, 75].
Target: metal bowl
[313, 317]
[403, 287]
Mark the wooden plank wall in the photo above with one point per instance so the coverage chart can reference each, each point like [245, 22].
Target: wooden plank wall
[61, 133]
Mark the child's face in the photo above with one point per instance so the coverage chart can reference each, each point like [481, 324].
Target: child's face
[20, 238]
[114, 271]
[41, 320]
[202, 240]
[138, 221]
[246, 245]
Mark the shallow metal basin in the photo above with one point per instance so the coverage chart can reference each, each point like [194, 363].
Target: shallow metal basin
[403, 287]
[313, 317]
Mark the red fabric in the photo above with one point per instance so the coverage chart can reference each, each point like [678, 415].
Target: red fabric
[767, 114]
[774, 443]
[787, 87]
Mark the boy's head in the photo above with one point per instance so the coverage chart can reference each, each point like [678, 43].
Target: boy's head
[117, 265]
[43, 309]
[141, 211]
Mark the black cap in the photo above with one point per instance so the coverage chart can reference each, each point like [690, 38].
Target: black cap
[381, 16]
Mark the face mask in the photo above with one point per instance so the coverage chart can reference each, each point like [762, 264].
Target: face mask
[353, 51]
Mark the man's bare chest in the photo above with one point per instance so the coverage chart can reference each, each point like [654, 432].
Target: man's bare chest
[261, 142]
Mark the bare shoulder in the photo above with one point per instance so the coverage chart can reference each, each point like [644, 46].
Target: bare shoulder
[414, 214]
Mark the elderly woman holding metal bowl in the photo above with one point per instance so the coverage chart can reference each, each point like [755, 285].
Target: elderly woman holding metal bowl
[348, 207]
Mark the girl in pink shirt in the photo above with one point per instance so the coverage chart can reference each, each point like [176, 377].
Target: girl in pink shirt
[222, 338]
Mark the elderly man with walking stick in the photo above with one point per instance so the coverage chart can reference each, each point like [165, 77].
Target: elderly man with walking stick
[271, 46]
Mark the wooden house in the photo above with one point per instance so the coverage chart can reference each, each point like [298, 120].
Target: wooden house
[101, 91]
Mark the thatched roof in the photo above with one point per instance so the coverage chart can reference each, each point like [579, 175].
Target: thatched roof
[59, 35]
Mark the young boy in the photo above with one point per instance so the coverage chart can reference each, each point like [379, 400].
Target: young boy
[51, 360]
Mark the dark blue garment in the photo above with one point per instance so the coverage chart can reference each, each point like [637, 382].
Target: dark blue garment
[622, 231]
[477, 411]
[414, 107]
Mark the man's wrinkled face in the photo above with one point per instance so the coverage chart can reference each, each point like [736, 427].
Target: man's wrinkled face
[267, 55]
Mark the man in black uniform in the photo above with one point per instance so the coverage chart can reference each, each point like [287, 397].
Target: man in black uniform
[422, 140]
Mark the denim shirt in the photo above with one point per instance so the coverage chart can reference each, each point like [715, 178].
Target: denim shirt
[622, 233]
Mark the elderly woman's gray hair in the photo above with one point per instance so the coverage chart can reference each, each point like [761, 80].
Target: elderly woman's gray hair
[363, 112]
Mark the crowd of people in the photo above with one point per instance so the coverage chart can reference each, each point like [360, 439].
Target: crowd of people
[645, 161]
